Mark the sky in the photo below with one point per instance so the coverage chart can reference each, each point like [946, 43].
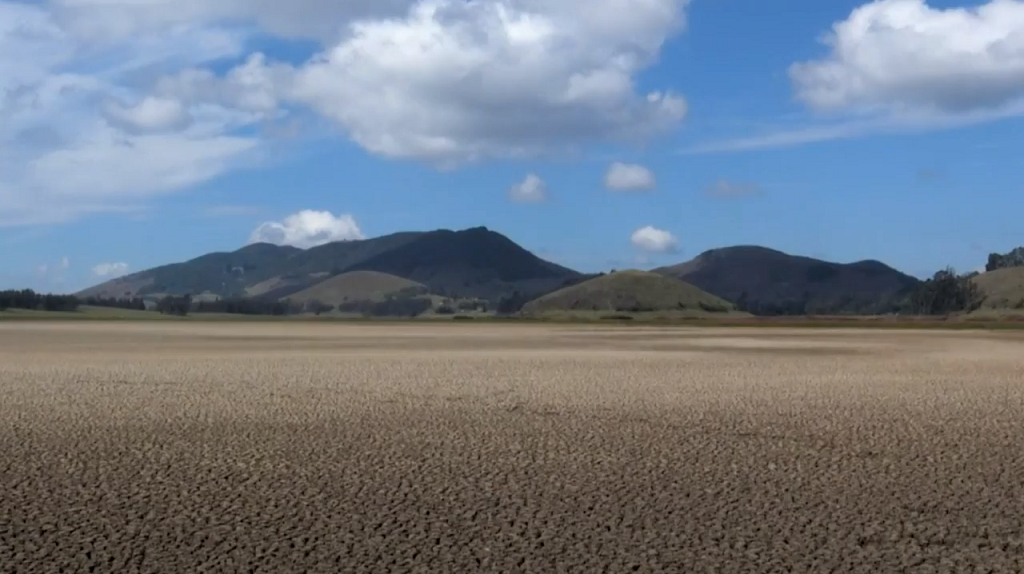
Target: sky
[599, 134]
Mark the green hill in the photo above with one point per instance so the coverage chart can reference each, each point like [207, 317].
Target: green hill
[356, 286]
[1002, 288]
[629, 292]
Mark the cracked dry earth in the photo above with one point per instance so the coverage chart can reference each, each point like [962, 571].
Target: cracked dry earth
[275, 447]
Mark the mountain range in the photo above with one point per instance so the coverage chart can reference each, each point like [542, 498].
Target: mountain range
[482, 264]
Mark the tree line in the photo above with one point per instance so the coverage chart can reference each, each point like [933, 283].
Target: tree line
[943, 293]
[30, 300]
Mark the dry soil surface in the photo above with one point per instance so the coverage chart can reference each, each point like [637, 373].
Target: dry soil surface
[245, 447]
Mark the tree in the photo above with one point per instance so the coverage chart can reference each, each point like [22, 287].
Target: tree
[171, 305]
[946, 292]
[317, 307]
[512, 303]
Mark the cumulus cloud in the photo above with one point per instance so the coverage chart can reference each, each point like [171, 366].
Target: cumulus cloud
[629, 177]
[899, 66]
[308, 228]
[531, 190]
[96, 87]
[654, 240]
[906, 54]
[110, 270]
[455, 81]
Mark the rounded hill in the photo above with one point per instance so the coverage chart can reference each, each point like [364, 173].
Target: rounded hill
[1002, 288]
[629, 292]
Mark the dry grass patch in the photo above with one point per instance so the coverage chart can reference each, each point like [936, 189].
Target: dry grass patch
[188, 447]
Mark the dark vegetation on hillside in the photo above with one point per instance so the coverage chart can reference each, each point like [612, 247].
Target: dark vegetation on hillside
[1015, 258]
[764, 281]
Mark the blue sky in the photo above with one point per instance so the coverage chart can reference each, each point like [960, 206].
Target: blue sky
[630, 135]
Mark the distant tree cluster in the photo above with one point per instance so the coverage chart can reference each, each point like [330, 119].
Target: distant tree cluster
[238, 306]
[1014, 258]
[390, 307]
[29, 299]
[513, 303]
[317, 307]
[806, 305]
[134, 303]
[173, 305]
[946, 292]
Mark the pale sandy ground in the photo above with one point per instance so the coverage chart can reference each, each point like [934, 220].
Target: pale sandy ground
[244, 447]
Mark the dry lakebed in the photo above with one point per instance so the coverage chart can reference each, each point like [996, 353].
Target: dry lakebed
[330, 447]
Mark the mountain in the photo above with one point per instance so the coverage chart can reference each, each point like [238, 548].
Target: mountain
[357, 286]
[474, 262]
[766, 281]
[629, 292]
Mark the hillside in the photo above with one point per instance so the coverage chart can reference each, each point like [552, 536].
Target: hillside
[471, 263]
[766, 281]
[629, 292]
[356, 286]
[1002, 288]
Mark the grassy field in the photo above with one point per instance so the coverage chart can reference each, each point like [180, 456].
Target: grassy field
[325, 447]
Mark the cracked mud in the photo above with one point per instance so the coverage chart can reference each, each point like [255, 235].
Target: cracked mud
[269, 447]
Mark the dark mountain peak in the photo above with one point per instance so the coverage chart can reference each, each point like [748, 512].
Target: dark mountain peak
[263, 248]
[472, 261]
[743, 249]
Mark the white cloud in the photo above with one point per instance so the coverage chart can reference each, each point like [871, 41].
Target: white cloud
[151, 114]
[858, 126]
[897, 66]
[92, 88]
[897, 54]
[531, 190]
[99, 20]
[455, 81]
[79, 136]
[308, 228]
[654, 240]
[629, 177]
[110, 270]
[65, 263]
